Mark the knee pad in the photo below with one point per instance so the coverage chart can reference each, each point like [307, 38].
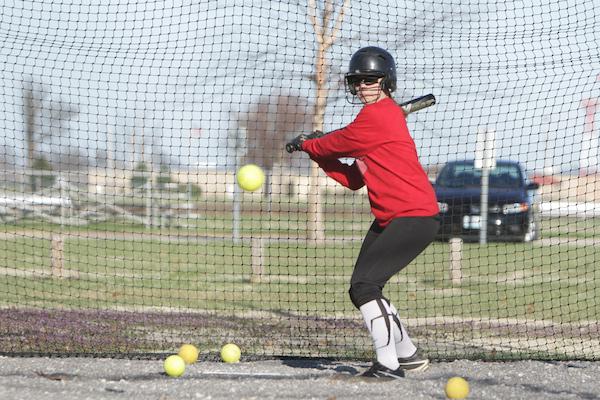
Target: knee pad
[363, 292]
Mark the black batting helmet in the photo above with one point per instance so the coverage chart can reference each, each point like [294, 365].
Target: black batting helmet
[372, 61]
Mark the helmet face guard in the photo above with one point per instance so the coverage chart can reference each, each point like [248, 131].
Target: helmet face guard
[371, 62]
[353, 80]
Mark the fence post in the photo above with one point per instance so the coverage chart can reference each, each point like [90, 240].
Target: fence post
[257, 245]
[57, 255]
[456, 260]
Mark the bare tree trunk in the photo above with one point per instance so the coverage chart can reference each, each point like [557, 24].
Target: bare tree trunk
[316, 222]
[325, 32]
[29, 112]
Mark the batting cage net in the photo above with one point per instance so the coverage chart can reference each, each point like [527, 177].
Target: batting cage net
[124, 229]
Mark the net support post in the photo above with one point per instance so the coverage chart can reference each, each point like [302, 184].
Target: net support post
[57, 255]
[257, 245]
[456, 260]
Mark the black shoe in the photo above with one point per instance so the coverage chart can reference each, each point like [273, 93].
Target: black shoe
[380, 371]
[416, 362]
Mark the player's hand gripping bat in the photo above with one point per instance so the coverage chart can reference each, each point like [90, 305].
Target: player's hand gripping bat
[408, 107]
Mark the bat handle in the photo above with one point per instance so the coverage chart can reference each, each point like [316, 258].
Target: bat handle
[289, 148]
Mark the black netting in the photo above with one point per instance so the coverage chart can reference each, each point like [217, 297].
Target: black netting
[123, 231]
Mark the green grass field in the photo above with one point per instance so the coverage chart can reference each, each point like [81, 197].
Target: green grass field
[501, 280]
[126, 288]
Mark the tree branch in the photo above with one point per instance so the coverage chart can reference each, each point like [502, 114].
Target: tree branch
[327, 12]
[312, 14]
[338, 24]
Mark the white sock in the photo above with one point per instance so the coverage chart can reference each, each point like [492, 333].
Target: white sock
[404, 346]
[377, 320]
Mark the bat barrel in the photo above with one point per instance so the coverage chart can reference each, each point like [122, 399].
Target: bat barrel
[418, 104]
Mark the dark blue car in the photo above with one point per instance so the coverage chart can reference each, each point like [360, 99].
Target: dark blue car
[512, 213]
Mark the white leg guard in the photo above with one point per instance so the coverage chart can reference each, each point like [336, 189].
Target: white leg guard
[379, 324]
[404, 346]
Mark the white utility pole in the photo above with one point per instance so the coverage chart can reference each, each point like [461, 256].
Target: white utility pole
[485, 159]
[240, 147]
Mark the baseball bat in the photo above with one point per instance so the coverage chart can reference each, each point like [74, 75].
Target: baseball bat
[418, 103]
[408, 107]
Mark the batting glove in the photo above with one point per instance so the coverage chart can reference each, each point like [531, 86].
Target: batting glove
[296, 143]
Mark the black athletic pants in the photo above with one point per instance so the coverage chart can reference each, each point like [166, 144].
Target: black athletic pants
[386, 251]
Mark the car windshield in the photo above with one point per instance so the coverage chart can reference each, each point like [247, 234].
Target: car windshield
[459, 175]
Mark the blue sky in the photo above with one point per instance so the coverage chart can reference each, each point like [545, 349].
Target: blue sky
[159, 69]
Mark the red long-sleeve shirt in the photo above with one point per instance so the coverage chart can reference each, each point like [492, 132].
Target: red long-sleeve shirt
[386, 161]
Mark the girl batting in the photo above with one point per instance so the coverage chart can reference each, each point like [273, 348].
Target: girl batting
[402, 201]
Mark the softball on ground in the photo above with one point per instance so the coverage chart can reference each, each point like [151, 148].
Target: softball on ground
[189, 353]
[457, 388]
[250, 177]
[230, 353]
[174, 366]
